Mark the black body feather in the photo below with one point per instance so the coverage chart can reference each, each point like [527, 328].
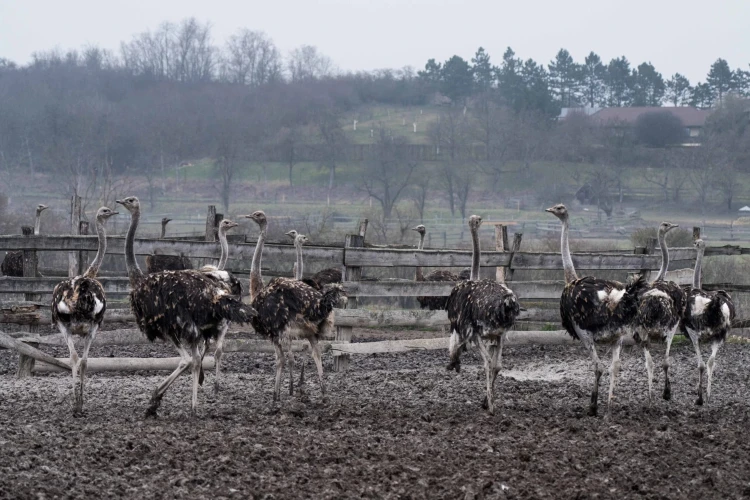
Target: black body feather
[12, 264]
[479, 308]
[582, 306]
[711, 324]
[79, 298]
[660, 308]
[284, 302]
[186, 307]
[436, 303]
[159, 263]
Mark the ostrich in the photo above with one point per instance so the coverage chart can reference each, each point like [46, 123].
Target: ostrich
[596, 311]
[431, 303]
[158, 263]
[12, 264]
[297, 268]
[480, 311]
[660, 309]
[708, 317]
[187, 307]
[78, 306]
[235, 287]
[288, 307]
[321, 278]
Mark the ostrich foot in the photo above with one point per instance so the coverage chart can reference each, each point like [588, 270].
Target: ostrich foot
[151, 410]
[217, 387]
[454, 365]
[667, 391]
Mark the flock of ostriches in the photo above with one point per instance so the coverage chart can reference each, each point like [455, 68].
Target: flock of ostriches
[193, 308]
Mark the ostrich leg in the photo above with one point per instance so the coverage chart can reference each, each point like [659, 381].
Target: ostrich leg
[710, 365]
[667, 363]
[185, 362]
[649, 370]
[87, 341]
[218, 353]
[279, 369]
[701, 366]
[74, 366]
[196, 364]
[614, 371]
[318, 358]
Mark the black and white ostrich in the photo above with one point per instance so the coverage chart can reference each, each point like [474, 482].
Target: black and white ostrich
[290, 308]
[321, 278]
[480, 311]
[660, 309]
[188, 308]
[157, 263]
[78, 306]
[707, 319]
[431, 303]
[12, 264]
[297, 271]
[596, 311]
[229, 280]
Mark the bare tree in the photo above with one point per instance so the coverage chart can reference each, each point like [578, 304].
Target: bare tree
[251, 58]
[420, 193]
[387, 171]
[307, 63]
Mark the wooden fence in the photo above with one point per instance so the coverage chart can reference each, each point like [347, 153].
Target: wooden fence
[538, 297]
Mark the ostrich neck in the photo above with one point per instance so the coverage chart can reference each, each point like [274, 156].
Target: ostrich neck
[163, 231]
[299, 270]
[256, 280]
[664, 257]
[418, 275]
[698, 268]
[570, 271]
[37, 223]
[101, 232]
[134, 272]
[224, 249]
[474, 254]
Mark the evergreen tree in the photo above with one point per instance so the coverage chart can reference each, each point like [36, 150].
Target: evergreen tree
[483, 71]
[702, 96]
[741, 81]
[509, 79]
[592, 74]
[457, 79]
[619, 82]
[648, 86]
[537, 95]
[564, 76]
[678, 90]
[719, 79]
[432, 73]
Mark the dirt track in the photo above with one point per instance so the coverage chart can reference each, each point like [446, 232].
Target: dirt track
[395, 426]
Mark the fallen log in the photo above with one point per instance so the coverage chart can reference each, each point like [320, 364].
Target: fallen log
[126, 364]
[9, 342]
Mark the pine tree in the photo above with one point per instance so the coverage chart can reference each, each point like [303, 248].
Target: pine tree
[720, 79]
[509, 79]
[678, 90]
[457, 79]
[648, 86]
[593, 73]
[619, 82]
[483, 71]
[564, 75]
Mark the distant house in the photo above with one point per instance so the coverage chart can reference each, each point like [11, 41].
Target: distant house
[693, 119]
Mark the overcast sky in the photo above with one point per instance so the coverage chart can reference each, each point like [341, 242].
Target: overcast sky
[675, 35]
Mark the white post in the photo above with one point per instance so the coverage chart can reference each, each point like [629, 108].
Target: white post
[354, 125]
[415, 127]
[372, 133]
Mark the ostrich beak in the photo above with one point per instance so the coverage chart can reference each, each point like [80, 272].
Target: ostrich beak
[115, 213]
[290, 233]
[415, 229]
[548, 210]
[120, 202]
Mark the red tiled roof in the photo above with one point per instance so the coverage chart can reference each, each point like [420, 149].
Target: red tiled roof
[691, 117]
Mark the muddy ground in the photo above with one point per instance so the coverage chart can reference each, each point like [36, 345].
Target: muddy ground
[394, 426]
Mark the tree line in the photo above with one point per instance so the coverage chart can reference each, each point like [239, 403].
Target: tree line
[172, 95]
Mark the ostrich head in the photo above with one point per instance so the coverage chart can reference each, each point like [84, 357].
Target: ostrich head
[301, 239]
[420, 229]
[41, 208]
[292, 234]
[105, 213]
[226, 224]
[259, 217]
[474, 222]
[699, 244]
[131, 203]
[165, 221]
[665, 227]
[558, 211]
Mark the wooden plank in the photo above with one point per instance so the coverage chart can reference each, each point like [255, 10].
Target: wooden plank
[386, 257]
[149, 246]
[75, 220]
[8, 342]
[30, 270]
[26, 316]
[128, 364]
[361, 318]
[528, 290]
[501, 245]
[352, 274]
[9, 284]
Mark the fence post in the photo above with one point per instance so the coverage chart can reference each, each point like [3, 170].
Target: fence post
[696, 233]
[211, 223]
[344, 333]
[75, 219]
[501, 245]
[363, 227]
[83, 256]
[30, 269]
